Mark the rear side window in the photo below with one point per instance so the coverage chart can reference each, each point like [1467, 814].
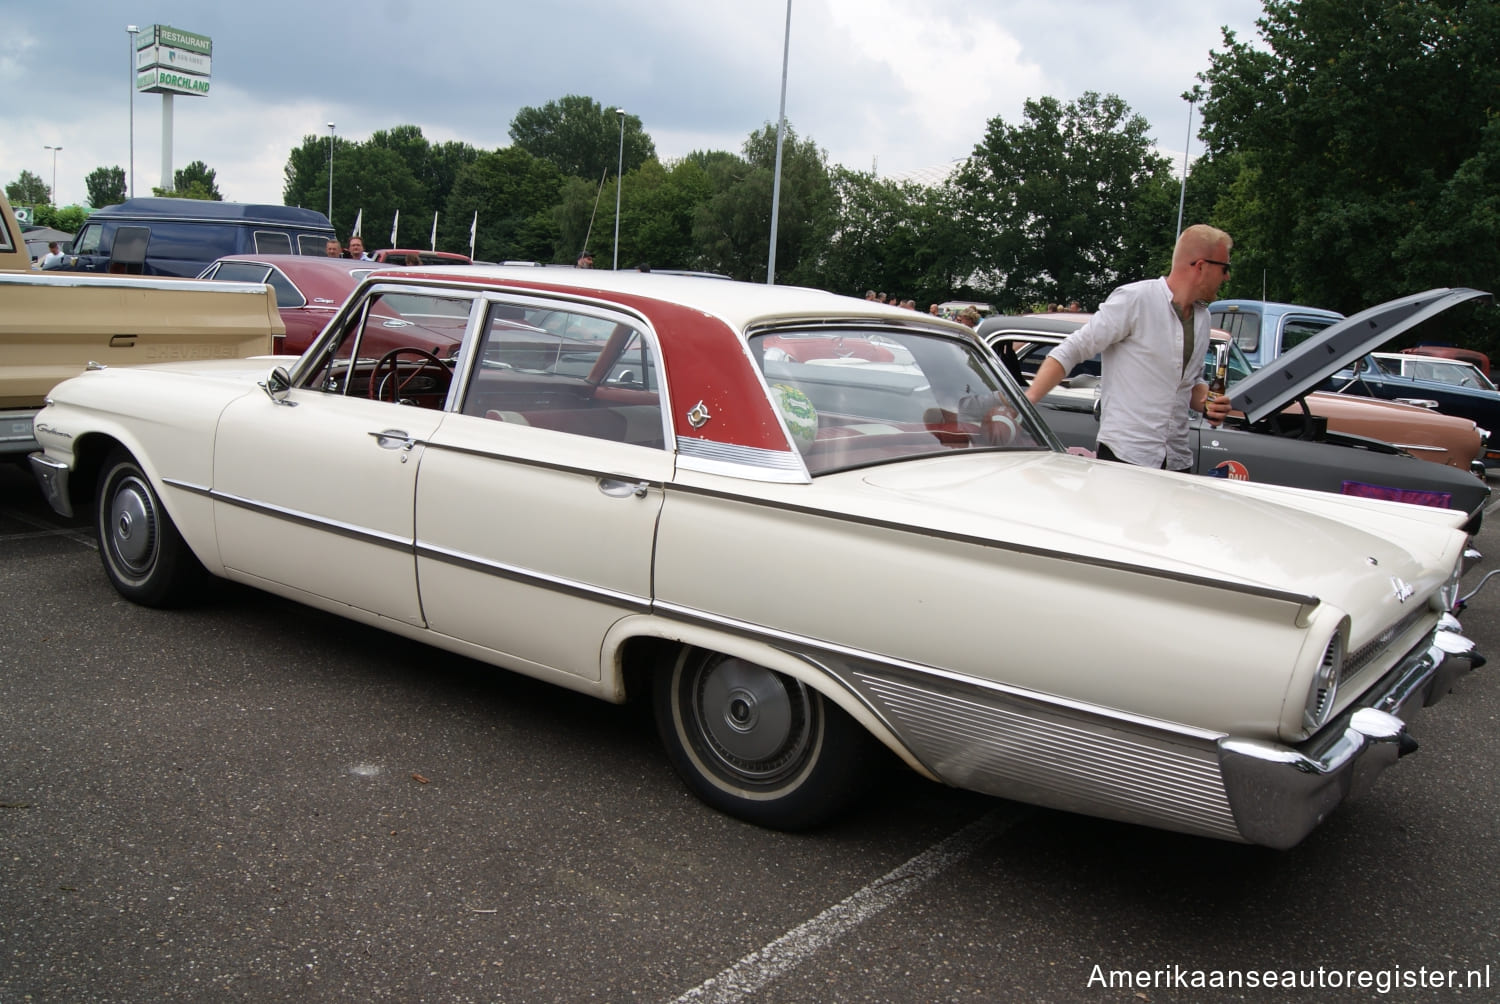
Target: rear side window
[192, 241]
[313, 244]
[271, 242]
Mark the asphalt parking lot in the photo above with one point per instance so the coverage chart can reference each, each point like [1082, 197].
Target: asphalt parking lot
[253, 801]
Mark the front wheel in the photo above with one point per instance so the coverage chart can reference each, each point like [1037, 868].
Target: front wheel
[144, 556]
[758, 744]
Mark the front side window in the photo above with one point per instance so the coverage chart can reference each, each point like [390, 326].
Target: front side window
[572, 371]
[852, 397]
[395, 346]
[88, 240]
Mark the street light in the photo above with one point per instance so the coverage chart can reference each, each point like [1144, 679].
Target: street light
[619, 171]
[1192, 97]
[132, 30]
[54, 150]
[330, 172]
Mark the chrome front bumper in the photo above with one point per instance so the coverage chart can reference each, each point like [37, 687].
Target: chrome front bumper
[52, 478]
[1279, 793]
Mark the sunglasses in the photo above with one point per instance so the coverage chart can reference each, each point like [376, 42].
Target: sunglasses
[1222, 264]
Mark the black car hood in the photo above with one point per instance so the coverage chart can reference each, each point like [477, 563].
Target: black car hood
[1304, 368]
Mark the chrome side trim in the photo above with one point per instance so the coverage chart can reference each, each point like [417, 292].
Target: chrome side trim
[838, 661]
[749, 456]
[460, 559]
[339, 528]
[541, 465]
[1304, 601]
[570, 587]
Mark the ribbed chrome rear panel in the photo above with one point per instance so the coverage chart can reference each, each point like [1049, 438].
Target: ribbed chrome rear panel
[1012, 746]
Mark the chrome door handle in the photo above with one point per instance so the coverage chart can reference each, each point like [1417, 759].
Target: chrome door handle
[394, 439]
[617, 488]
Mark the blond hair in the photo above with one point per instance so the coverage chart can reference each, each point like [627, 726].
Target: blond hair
[1199, 241]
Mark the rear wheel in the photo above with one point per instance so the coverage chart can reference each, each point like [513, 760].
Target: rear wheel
[144, 556]
[758, 744]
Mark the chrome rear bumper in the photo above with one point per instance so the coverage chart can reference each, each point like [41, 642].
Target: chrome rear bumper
[1279, 793]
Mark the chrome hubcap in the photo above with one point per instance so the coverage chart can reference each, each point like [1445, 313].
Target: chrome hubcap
[132, 525]
[754, 720]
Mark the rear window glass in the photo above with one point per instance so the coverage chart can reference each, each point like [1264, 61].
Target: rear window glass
[313, 244]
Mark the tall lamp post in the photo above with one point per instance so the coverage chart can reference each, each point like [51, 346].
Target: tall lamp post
[330, 172]
[786, 53]
[54, 150]
[132, 30]
[1192, 97]
[619, 170]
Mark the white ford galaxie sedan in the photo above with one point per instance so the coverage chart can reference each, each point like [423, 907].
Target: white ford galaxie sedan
[801, 525]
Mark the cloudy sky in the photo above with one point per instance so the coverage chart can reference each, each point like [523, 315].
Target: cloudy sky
[899, 86]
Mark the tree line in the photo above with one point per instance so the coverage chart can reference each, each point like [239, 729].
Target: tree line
[1353, 152]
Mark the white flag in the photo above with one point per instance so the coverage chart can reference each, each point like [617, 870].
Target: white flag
[394, 224]
[473, 229]
[434, 231]
[358, 219]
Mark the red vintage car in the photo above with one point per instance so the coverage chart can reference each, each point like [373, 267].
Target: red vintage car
[308, 289]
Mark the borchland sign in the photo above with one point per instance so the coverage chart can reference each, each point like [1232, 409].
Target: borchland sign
[162, 73]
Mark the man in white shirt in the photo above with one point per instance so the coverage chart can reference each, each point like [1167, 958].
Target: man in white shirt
[357, 248]
[1152, 337]
[54, 258]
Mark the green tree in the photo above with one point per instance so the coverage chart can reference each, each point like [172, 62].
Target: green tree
[581, 137]
[28, 190]
[106, 186]
[196, 181]
[733, 227]
[66, 218]
[305, 177]
[1069, 203]
[1365, 143]
[514, 194]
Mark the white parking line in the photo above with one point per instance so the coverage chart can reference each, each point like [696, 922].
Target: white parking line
[44, 529]
[765, 964]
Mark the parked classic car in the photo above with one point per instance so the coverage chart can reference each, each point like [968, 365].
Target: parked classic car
[1459, 372]
[794, 521]
[1422, 432]
[308, 289]
[1365, 376]
[1474, 356]
[1291, 444]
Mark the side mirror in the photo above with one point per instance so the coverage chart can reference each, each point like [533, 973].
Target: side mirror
[277, 386]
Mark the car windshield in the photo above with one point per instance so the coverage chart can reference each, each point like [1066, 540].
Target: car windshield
[852, 397]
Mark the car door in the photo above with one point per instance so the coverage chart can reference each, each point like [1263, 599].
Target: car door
[537, 499]
[314, 491]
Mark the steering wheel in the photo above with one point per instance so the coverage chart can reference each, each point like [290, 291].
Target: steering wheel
[397, 386]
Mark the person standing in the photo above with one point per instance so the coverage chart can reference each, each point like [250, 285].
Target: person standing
[1152, 336]
[333, 249]
[585, 260]
[54, 258]
[357, 248]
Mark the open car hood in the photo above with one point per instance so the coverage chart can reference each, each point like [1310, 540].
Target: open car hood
[1294, 373]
